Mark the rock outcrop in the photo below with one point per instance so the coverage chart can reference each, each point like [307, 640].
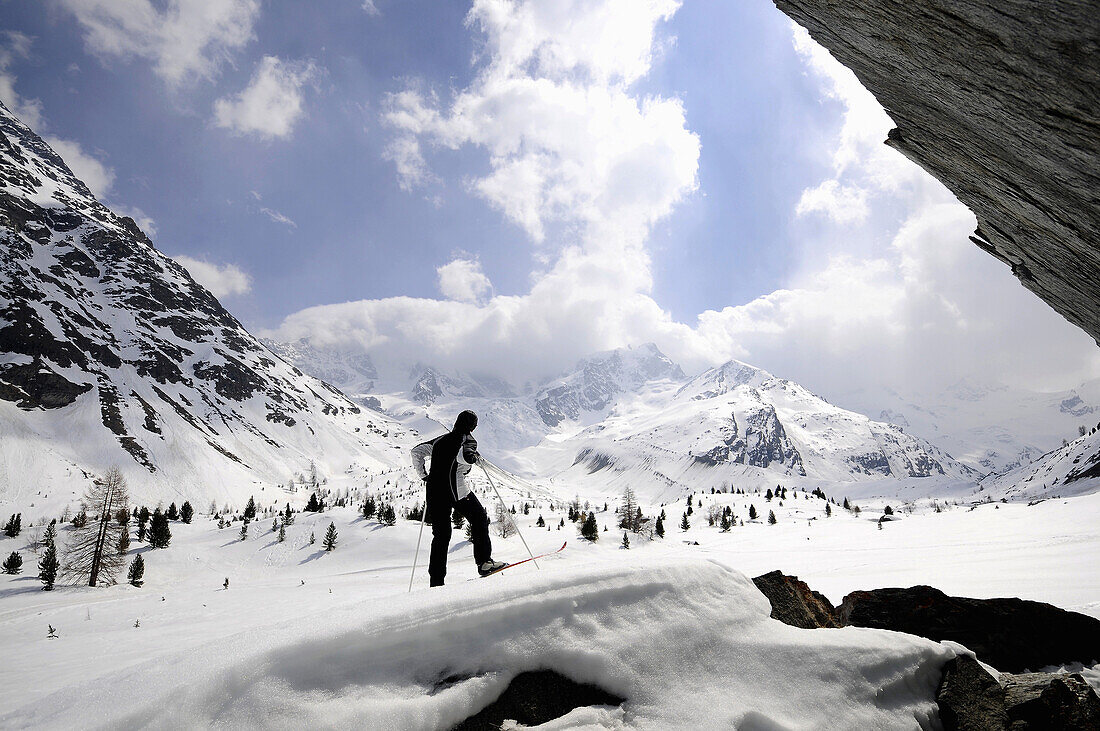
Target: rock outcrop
[999, 102]
[534, 698]
[970, 699]
[794, 602]
[1010, 634]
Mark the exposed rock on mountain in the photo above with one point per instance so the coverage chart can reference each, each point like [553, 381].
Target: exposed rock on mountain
[1072, 469]
[110, 352]
[1010, 634]
[598, 379]
[998, 101]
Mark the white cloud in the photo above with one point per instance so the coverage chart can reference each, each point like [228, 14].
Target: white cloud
[14, 45]
[278, 217]
[462, 280]
[578, 159]
[271, 104]
[185, 39]
[223, 280]
[841, 203]
[98, 177]
[370, 8]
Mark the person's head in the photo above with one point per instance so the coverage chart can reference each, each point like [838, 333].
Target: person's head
[466, 422]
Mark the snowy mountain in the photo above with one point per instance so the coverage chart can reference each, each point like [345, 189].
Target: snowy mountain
[1072, 469]
[631, 415]
[111, 353]
[991, 427]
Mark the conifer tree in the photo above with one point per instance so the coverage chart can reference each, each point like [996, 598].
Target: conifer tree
[457, 520]
[330, 537]
[48, 566]
[771, 517]
[370, 507]
[80, 520]
[172, 513]
[312, 538]
[250, 509]
[123, 541]
[389, 517]
[828, 510]
[724, 525]
[91, 554]
[275, 525]
[684, 522]
[186, 512]
[282, 533]
[589, 530]
[540, 522]
[626, 541]
[288, 516]
[313, 505]
[137, 570]
[659, 529]
[768, 495]
[244, 529]
[13, 564]
[160, 535]
[752, 512]
[628, 510]
[847, 505]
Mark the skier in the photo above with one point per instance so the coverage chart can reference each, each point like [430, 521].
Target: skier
[452, 456]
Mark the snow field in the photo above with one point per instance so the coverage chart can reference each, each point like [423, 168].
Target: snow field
[676, 628]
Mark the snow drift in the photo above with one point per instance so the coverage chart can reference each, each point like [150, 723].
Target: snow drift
[688, 643]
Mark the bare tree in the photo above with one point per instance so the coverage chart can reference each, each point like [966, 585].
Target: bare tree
[91, 554]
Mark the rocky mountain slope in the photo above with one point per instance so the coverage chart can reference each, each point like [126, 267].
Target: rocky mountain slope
[111, 353]
[1072, 469]
[998, 101]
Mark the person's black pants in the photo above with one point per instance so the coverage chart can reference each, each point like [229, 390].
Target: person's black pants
[439, 512]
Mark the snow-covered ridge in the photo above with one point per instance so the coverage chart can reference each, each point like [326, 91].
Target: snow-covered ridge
[1072, 469]
[111, 353]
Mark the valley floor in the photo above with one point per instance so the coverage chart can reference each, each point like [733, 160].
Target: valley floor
[119, 649]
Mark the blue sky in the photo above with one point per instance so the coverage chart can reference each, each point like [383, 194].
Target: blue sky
[373, 175]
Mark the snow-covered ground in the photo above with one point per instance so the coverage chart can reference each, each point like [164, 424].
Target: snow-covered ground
[305, 637]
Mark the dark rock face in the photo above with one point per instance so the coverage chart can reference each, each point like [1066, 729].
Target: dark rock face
[537, 697]
[1045, 702]
[795, 603]
[1010, 634]
[999, 102]
[970, 699]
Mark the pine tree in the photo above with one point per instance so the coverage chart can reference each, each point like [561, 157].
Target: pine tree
[626, 541]
[160, 535]
[186, 512]
[828, 510]
[457, 520]
[540, 522]
[369, 507]
[330, 537]
[768, 495]
[173, 512]
[244, 529]
[13, 526]
[684, 522]
[275, 525]
[659, 529]
[771, 517]
[48, 566]
[888, 510]
[724, 525]
[91, 554]
[589, 530]
[288, 516]
[752, 512]
[627, 510]
[389, 517]
[80, 520]
[847, 505]
[282, 533]
[123, 541]
[250, 509]
[312, 538]
[137, 570]
[13, 564]
[313, 506]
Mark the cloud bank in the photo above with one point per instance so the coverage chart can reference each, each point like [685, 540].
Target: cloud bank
[223, 280]
[585, 164]
[272, 103]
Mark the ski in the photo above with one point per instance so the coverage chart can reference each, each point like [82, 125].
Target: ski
[517, 563]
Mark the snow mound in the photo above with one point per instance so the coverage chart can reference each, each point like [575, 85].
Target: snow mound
[688, 643]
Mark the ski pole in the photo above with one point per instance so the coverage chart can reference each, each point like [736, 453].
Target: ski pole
[416, 555]
[509, 514]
